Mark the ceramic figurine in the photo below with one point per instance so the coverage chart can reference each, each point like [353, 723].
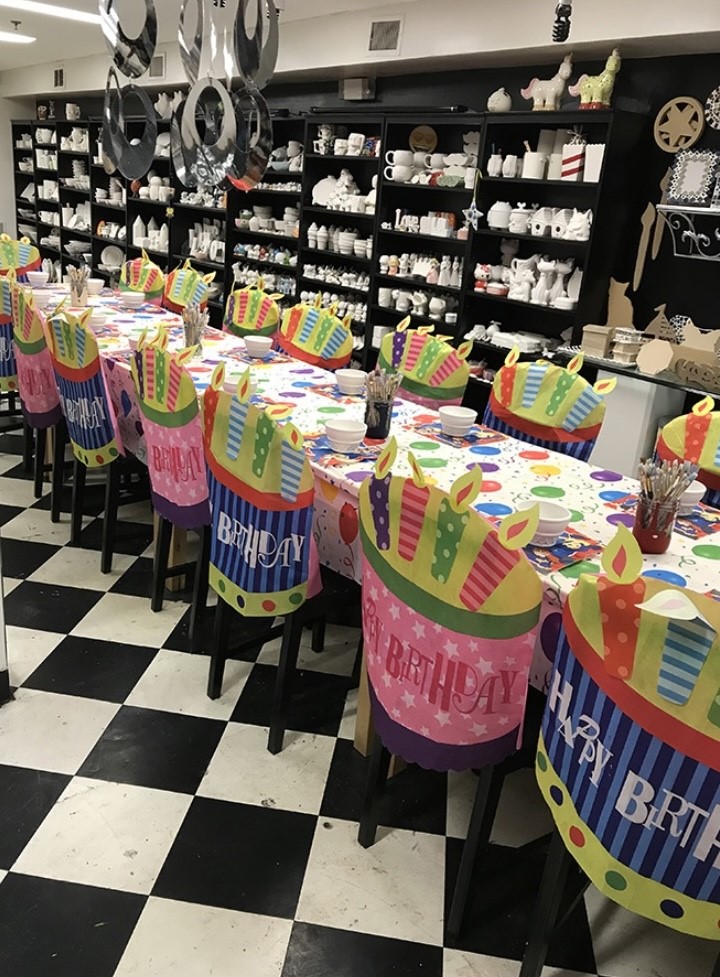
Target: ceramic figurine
[162, 105]
[445, 271]
[371, 199]
[437, 307]
[509, 248]
[495, 165]
[456, 274]
[546, 95]
[482, 276]
[419, 303]
[520, 285]
[560, 221]
[541, 293]
[499, 101]
[433, 274]
[499, 215]
[404, 266]
[595, 91]
[541, 221]
[578, 227]
[394, 264]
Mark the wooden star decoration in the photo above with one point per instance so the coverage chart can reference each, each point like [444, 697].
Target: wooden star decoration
[679, 124]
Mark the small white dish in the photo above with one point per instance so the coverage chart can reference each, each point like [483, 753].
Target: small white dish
[691, 497]
[456, 421]
[350, 382]
[554, 520]
[345, 436]
[38, 278]
[95, 286]
[132, 300]
[258, 346]
[233, 377]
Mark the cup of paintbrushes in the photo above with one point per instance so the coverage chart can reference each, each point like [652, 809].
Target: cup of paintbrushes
[654, 523]
[378, 415]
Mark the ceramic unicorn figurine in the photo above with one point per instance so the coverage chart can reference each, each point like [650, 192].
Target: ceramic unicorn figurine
[546, 94]
[595, 91]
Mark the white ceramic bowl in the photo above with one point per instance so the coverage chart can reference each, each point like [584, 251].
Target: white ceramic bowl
[232, 379]
[350, 382]
[456, 421]
[345, 436]
[95, 285]
[97, 318]
[258, 346]
[690, 498]
[37, 278]
[554, 520]
[132, 300]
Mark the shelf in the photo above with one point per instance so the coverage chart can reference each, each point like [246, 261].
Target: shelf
[502, 351]
[429, 238]
[519, 181]
[108, 205]
[343, 215]
[151, 251]
[46, 169]
[662, 381]
[337, 254]
[191, 207]
[560, 117]
[334, 286]
[118, 241]
[42, 223]
[566, 313]
[24, 202]
[280, 192]
[74, 152]
[214, 265]
[147, 202]
[266, 263]
[342, 159]
[418, 187]
[80, 190]
[49, 247]
[541, 240]
[423, 320]
[74, 233]
[418, 283]
[25, 174]
[265, 235]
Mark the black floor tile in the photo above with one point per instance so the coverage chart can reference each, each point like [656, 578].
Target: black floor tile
[58, 929]
[240, 627]
[26, 796]
[414, 799]
[92, 668]
[154, 749]
[132, 538]
[321, 950]
[238, 856]
[316, 700]
[8, 512]
[500, 906]
[18, 471]
[93, 502]
[47, 606]
[137, 582]
[21, 557]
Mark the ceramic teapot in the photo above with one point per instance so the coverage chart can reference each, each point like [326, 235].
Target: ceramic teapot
[499, 215]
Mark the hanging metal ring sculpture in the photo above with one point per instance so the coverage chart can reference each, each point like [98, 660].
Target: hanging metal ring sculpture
[132, 159]
[132, 56]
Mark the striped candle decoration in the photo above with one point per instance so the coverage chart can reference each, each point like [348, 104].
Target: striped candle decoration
[582, 408]
[446, 369]
[292, 463]
[565, 383]
[413, 507]
[308, 325]
[264, 434]
[160, 375]
[687, 646]
[59, 337]
[533, 380]
[414, 348]
[237, 420]
[697, 427]
[335, 341]
[489, 568]
[173, 384]
[323, 332]
[80, 343]
[292, 320]
[150, 364]
[140, 372]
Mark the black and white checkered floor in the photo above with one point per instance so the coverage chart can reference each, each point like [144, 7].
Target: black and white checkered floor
[146, 832]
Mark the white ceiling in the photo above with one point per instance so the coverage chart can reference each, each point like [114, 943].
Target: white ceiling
[62, 39]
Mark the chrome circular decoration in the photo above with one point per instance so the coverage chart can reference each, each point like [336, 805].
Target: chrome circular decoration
[133, 159]
[191, 54]
[257, 53]
[132, 56]
[205, 161]
[255, 138]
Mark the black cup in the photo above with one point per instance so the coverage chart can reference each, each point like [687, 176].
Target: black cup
[383, 416]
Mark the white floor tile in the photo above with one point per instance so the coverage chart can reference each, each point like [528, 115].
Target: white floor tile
[47, 731]
[393, 889]
[337, 658]
[177, 682]
[27, 649]
[117, 617]
[81, 568]
[186, 940]
[627, 945]
[522, 814]
[112, 835]
[35, 525]
[242, 770]
[8, 461]
[9, 584]
[461, 963]
[136, 512]
[3, 873]
[349, 716]
[17, 491]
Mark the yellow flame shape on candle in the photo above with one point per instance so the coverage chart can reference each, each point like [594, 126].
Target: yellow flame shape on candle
[605, 387]
[218, 378]
[242, 391]
[622, 559]
[425, 330]
[279, 412]
[403, 324]
[517, 529]
[293, 436]
[512, 357]
[465, 489]
[418, 476]
[386, 458]
[463, 350]
[704, 406]
[185, 355]
[318, 301]
[575, 364]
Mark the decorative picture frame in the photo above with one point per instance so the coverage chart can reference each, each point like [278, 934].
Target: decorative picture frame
[693, 177]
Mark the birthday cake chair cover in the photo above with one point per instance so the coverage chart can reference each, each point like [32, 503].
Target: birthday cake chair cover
[450, 615]
[252, 311]
[434, 373]
[695, 437]
[143, 275]
[84, 397]
[8, 361]
[19, 256]
[185, 286]
[37, 389]
[263, 558]
[547, 405]
[629, 752]
[316, 335]
[171, 424]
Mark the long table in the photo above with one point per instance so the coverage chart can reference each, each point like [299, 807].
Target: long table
[514, 472]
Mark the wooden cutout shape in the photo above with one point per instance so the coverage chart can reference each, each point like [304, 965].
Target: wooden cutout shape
[694, 361]
[647, 220]
[660, 326]
[659, 219]
[679, 124]
[620, 308]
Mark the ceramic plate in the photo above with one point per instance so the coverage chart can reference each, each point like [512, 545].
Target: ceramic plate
[112, 256]
[323, 191]
[423, 139]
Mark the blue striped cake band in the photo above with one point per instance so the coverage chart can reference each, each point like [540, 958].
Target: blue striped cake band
[291, 473]
[573, 449]
[687, 645]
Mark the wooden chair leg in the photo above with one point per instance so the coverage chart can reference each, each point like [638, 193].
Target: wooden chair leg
[112, 501]
[221, 630]
[547, 907]
[716, 968]
[28, 444]
[160, 563]
[318, 634]
[58, 465]
[78, 495]
[39, 471]
[377, 776]
[292, 634]
[357, 666]
[200, 588]
[487, 797]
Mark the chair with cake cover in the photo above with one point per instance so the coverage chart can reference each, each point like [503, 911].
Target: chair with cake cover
[316, 335]
[185, 286]
[263, 557]
[450, 614]
[143, 275]
[695, 437]
[91, 425]
[37, 389]
[548, 406]
[434, 373]
[168, 403]
[252, 311]
[629, 753]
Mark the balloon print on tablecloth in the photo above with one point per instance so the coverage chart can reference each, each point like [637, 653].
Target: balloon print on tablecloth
[348, 523]
[549, 633]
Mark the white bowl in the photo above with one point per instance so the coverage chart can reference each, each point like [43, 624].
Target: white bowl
[258, 346]
[554, 520]
[345, 436]
[456, 421]
[95, 285]
[350, 381]
[97, 318]
[132, 300]
[690, 498]
[232, 378]
[37, 278]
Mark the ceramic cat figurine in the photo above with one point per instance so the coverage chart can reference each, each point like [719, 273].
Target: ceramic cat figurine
[578, 227]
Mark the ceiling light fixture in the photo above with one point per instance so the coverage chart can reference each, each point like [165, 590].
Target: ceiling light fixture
[12, 37]
[50, 10]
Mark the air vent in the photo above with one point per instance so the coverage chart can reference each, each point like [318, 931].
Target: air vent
[385, 36]
[157, 66]
[59, 77]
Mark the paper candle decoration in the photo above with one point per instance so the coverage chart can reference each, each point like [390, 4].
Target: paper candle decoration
[451, 522]
[619, 593]
[142, 275]
[252, 312]
[415, 346]
[535, 375]
[415, 495]
[696, 429]
[80, 343]
[589, 399]
[238, 416]
[338, 337]
[507, 376]
[315, 335]
[398, 342]
[687, 644]
[185, 286]
[264, 434]
[19, 256]
[453, 360]
[293, 461]
[380, 493]
[498, 555]
[565, 382]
